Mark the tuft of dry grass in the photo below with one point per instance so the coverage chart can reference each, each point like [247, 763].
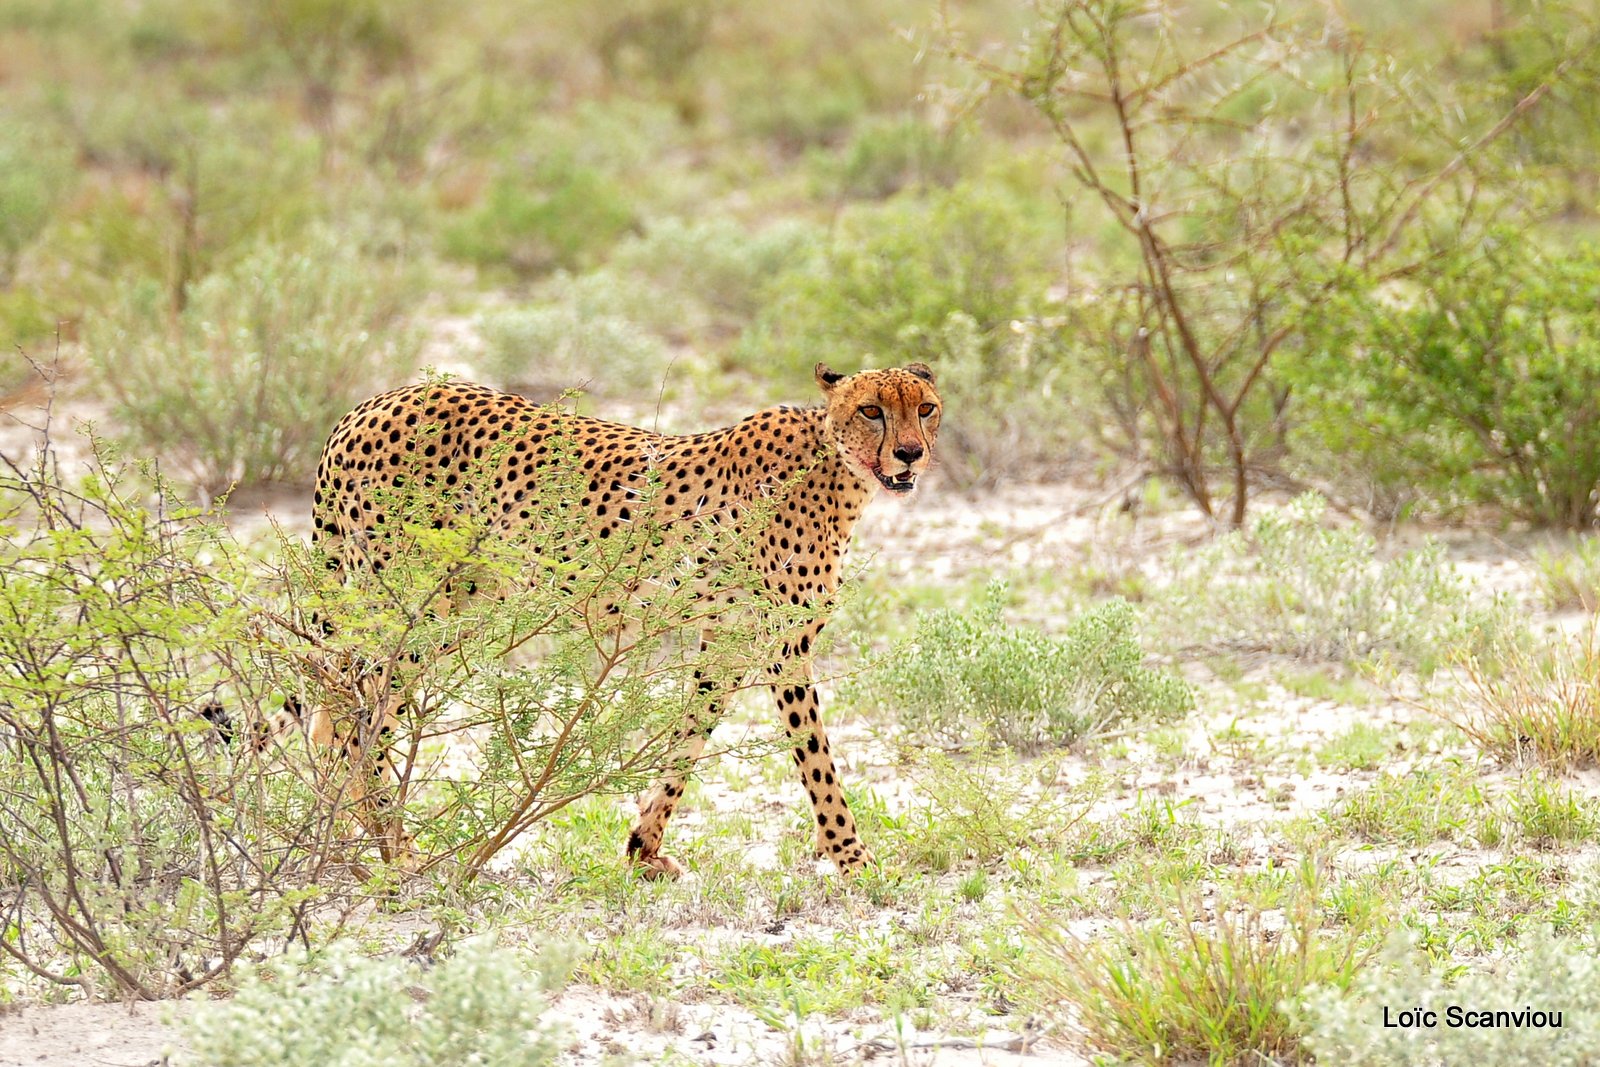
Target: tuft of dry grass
[1538, 706]
[1187, 987]
[1570, 579]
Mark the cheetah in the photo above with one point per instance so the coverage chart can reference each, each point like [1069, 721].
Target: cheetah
[875, 430]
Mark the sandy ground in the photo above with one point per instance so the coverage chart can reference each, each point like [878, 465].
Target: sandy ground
[595, 1024]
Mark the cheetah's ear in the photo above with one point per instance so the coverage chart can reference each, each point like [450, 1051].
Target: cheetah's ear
[827, 377]
[921, 370]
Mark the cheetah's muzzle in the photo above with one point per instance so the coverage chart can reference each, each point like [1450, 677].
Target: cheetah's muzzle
[903, 482]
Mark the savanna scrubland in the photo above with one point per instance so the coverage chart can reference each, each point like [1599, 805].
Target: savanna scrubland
[1234, 677]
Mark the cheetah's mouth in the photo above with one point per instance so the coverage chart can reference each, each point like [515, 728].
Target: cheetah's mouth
[903, 482]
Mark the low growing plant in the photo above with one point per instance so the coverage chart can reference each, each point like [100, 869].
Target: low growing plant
[947, 277]
[1541, 706]
[576, 335]
[717, 263]
[558, 213]
[480, 1005]
[1570, 580]
[1296, 585]
[966, 677]
[1344, 1022]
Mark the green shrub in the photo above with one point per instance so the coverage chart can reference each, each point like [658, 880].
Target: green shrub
[896, 272]
[1544, 973]
[146, 845]
[801, 77]
[245, 383]
[555, 214]
[199, 186]
[26, 326]
[1483, 385]
[1293, 585]
[987, 808]
[967, 676]
[136, 856]
[336, 1007]
[33, 177]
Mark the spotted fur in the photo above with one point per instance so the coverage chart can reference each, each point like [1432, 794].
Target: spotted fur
[875, 430]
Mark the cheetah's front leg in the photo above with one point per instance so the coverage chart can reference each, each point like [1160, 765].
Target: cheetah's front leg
[657, 806]
[836, 826]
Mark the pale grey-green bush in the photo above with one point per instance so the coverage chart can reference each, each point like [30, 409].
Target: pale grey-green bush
[33, 177]
[1545, 974]
[966, 677]
[1294, 585]
[579, 335]
[716, 262]
[245, 381]
[337, 1008]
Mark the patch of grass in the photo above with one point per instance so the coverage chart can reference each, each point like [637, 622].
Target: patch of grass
[1199, 983]
[638, 959]
[1413, 809]
[1548, 816]
[809, 975]
[1362, 747]
[1542, 706]
[1334, 688]
[1431, 804]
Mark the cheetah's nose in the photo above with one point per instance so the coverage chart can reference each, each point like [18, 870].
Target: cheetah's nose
[908, 453]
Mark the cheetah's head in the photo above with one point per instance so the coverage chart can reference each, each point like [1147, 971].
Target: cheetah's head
[883, 422]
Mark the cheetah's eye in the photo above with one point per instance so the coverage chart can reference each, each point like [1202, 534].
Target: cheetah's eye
[925, 410]
[873, 412]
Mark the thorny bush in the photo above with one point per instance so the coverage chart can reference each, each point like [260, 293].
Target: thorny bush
[152, 828]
